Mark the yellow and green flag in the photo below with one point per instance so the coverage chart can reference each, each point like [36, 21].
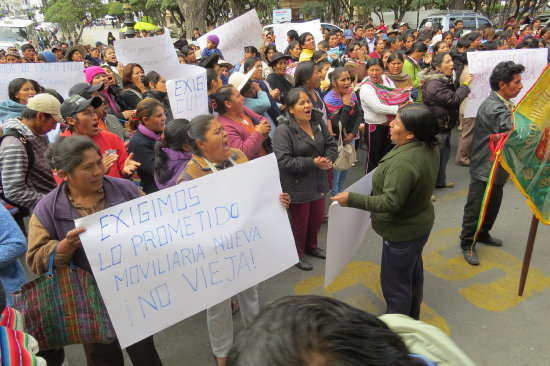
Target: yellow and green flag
[526, 153]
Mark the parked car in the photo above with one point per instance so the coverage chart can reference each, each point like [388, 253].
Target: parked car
[445, 19]
[328, 26]
[545, 19]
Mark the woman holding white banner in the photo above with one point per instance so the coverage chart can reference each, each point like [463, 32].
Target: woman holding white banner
[211, 153]
[400, 203]
[85, 190]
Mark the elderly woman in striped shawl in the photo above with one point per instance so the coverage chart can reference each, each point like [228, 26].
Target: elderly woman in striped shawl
[380, 101]
[344, 117]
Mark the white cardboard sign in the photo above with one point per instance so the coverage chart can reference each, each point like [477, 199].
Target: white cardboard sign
[149, 52]
[280, 30]
[347, 228]
[166, 256]
[240, 32]
[481, 65]
[60, 76]
[187, 89]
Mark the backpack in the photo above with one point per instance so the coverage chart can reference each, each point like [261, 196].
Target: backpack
[30, 157]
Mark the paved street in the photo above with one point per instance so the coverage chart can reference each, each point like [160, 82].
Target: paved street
[477, 306]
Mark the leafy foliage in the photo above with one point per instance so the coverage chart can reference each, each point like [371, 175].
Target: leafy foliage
[314, 10]
[115, 9]
[70, 14]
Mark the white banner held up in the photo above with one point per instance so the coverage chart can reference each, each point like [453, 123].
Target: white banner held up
[280, 30]
[481, 65]
[149, 52]
[235, 35]
[59, 76]
[188, 93]
[346, 229]
[164, 257]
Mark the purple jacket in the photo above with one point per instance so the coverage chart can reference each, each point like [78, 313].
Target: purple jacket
[175, 165]
[56, 214]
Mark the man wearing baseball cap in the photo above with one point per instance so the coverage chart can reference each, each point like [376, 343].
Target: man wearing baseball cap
[25, 176]
[81, 117]
[58, 52]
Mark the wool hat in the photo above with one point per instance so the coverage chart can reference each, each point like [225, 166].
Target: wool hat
[45, 103]
[12, 51]
[90, 72]
[49, 56]
[214, 39]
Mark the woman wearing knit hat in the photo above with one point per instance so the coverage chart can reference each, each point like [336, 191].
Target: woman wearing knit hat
[13, 56]
[96, 75]
[212, 42]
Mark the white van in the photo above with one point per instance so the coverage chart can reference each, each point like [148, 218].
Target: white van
[17, 32]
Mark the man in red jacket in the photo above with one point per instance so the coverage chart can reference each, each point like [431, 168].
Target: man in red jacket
[80, 115]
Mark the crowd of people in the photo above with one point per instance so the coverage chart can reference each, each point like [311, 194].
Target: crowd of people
[397, 92]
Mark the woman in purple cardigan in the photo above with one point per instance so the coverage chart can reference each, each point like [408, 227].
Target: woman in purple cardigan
[246, 130]
[85, 190]
[172, 153]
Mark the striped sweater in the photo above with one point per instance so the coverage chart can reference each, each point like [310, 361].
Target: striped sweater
[19, 187]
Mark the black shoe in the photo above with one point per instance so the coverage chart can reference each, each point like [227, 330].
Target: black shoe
[471, 256]
[317, 252]
[489, 240]
[303, 265]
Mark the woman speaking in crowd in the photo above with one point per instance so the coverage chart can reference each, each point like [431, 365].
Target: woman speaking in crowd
[309, 79]
[211, 153]
[305, 151]
[402, 212]
[443, 99]
[134, 88]
[380, 102]
[96, 75]
[19, 92]
[279, 78]
[151, 120]
[109, 57]
[345, 112]
[245, 129]
[172, 153]
[85, 190]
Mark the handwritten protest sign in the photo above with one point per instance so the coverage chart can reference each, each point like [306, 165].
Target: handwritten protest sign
[481, 65]
[60, 76]
[242, 31]
[187, 90]
[313, 27]
[346, 229]
[526, 154]
[163, 257]
[149, 52]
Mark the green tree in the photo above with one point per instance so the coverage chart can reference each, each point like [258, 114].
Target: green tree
[314, 10]
[115, 9]
[71, 15]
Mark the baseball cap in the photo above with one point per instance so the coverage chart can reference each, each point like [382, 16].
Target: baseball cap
[77, 104]
[45, 103]
[83, 88]
[348, 34]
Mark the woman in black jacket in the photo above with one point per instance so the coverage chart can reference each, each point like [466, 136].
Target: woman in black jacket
[156, 89]
[305, 151]
[345, 110]
[279, 79]
[151, 119]
[134, 88]
[440, 94]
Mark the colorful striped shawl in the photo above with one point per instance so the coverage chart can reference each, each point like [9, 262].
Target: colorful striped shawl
[334, 102]
[389, 96]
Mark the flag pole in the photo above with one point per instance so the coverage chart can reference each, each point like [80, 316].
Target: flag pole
[528, 252]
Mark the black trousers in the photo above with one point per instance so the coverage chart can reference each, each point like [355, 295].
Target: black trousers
[472, 208]
[402, 276]
[142, 353]
[378, 145]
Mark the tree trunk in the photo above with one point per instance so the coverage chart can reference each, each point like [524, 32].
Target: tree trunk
[459, 4]
[194, 12]
[238, 7]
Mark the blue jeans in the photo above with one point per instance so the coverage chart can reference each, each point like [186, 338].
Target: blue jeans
[338, 180]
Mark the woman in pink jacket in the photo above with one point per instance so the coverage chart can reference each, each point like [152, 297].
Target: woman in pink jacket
[246, 130]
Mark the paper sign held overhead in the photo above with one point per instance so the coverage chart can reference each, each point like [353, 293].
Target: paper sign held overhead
[280, 30]
[242, 31]
[59, 76]
[347, 228]
[481, 65]
[282, 15]
[149, 52]
[164, 257]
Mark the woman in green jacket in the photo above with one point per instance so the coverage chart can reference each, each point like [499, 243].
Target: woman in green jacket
[402, 212]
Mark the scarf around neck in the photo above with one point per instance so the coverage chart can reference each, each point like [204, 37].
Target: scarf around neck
[148, 133]
[403, 76]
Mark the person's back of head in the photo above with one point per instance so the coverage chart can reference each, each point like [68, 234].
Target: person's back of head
[292, 35]
[315, 330]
